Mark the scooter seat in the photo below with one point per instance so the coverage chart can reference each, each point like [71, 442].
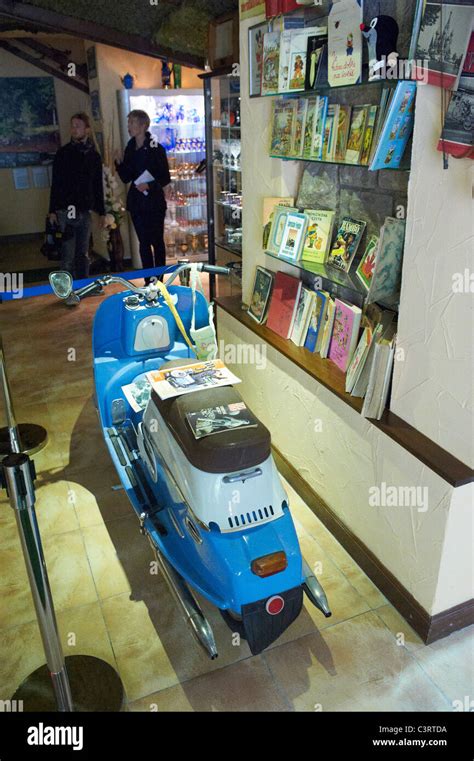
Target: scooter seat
[223, 452]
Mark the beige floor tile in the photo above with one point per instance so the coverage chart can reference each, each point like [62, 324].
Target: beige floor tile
[96, 503]
[68, 569]
[54, 509]
[449, 663]
[354, 666]
[245, 686]
[8, 526]
[400, 629]
[83, 632]
[16, 604]
[68, 415]
[54, 455]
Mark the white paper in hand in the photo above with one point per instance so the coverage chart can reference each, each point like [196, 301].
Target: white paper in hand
[144, 177]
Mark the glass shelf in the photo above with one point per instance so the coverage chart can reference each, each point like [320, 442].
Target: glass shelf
[228, 205]
[231, 247]
[225, 168]
[328, 87]
[339, 163]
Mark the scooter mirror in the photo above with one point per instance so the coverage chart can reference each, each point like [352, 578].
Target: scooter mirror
[61, 283]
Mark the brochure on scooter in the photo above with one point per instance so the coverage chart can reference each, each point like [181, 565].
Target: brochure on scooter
[226, 417]
[138, 394]
[189, 378]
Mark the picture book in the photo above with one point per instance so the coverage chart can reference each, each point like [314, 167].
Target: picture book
[345, 334]
[386, 276]
[318, 235]
[303, 314]
[293, 235]
[385, 100]
[278, 223]
[270, 65]
[327, 328]
[345, 43]
[300, 121]
[319, 122]
[261, 293]
[342, 133]
[284, 62]
[346, 243]
[268, 210]
[379, 329]
[356, 134]
[297, 65]
[189, 378]
[283, 304]
[309, 124]
[379, 379]
[442, 41]
[368, 135]
[358, 359]
[396, 129]
[316, 45]
[317, 321]
[365, 270]
[225, 417]
[329, 130]
[283, 124]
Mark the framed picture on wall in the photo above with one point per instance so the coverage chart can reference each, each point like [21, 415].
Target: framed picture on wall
[91, 62]
[95, 106]
[255, 49]
[224, 41]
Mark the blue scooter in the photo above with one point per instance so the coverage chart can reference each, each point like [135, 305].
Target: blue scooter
[214, 509]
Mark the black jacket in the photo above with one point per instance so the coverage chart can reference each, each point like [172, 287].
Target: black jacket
[135, 162]
[77, 178]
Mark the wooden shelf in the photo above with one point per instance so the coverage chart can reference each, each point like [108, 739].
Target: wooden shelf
[325, 372]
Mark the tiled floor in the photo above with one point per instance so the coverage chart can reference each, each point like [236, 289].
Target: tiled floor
[109, 604]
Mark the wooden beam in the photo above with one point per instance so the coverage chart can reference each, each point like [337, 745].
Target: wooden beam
[43, 66]
[61, 57]
[89, 30]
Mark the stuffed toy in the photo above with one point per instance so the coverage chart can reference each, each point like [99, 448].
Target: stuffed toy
[381, 36]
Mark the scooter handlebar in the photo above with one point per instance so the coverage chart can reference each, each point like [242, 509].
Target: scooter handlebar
[214, 269]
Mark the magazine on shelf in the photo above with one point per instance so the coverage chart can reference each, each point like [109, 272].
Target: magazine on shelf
[225, 417]
[189, 378]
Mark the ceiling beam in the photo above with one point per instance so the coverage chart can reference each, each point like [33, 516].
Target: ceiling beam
[40, 64]
[88, 30]
[61, 57]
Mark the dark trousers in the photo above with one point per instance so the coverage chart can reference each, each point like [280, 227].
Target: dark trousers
[150, 230]
[75, 245]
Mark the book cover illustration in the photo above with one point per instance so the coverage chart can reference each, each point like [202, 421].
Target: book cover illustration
[286, 292]
[280, 214]
[225, 417]
[270, 66]
[269, 204]
[309, 125]
[262, 289]
[342, 134]
[365, 270]
[300, 121]
[298, 57]
[189, 378]
[344, 334]
[443, 39]
[316, 44]
[329, 133]
[317, 321]
[356, 134]
[284, 62]
[318, 235]
[284, 112]
[368, 135]
[385, 283]
[302, 315]
[318, 127]
[293, 235]
[397, 128]
[345, 43]
[346, 243]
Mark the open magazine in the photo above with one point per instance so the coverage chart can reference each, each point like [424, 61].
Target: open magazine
[188, 378]
[225, 417]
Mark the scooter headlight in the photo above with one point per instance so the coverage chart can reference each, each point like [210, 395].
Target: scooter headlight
[267, 565]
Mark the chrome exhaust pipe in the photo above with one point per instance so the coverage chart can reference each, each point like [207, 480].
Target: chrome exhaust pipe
[314, 590]
[193, 614]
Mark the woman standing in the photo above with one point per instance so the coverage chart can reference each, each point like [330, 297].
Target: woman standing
[76, 190]
[146, 201]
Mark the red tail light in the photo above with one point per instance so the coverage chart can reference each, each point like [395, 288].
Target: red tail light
[267, 565]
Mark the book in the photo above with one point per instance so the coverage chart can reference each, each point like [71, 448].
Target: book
[358, 359]
[327, 328]
[284, 62]
[283, 124]
[300, 121]
[318, 235]
[278, 223]
[319, 123]
[270, 63]
[345, 43]
[302, 316]
[385, 100]
[444, 34]
[396, 129]
[138, 393]
[379, 329]
[457, 136]
[345, 334]
[315, 49]
[342, 132]
[298, 56]
[379, 379]
[329, 133]
[317, 320]
[269, 204]
[346, 243]
[356, 134]
[283, 304]
[293, 235]
[261, 293]
[366, 267]
[368, 135]
[309, 125]
[225, 417]
[186, 379]
[386, 276]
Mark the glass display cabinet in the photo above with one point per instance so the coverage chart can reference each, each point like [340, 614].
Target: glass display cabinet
[224, 175]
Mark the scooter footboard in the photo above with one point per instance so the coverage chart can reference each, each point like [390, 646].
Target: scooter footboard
[265, 620]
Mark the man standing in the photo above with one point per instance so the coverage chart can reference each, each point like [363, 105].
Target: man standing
[76, 190]
[146, 201]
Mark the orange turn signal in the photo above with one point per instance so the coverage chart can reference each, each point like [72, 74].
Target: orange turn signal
[267, 565]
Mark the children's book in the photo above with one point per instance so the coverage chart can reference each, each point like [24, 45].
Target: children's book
[300, 121]
[345, 43]
[284, 64]
[397, 128]
[342, 134]
[317, 321]
[356, 134]
[309, 125]
[225, 417]
[297, 65]
[302, 317]
[319, 122]
[368, 135]
[269, 204]
[345, 334]
[457, 137]
[384, 327]
[442, 41]
[346, 243]
[262, 290]
[283, 124]
[285, 296]
[278, 223]
[316, 46]
[329, 136]
[327, 328]
[385, 283]
[379, 379]
[366, 267]
[270, 65]
[318, 235]
[358, 359]
[293, 235]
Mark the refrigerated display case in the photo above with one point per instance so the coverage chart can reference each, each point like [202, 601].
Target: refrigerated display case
[224, 175]
[178, 123]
